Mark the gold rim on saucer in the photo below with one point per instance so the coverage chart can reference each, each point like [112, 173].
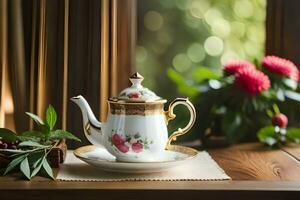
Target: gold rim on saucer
[177, 148]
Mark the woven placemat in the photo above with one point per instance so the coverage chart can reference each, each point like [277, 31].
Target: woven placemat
[203, 167]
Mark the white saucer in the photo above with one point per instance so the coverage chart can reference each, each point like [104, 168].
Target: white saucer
[102, 159]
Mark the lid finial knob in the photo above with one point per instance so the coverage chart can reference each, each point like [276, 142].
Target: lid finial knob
[136, 79]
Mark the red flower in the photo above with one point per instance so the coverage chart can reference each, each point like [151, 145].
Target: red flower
[234, 66]
[252, 81]
[117, 139]
[134, 95]
[123, 148]
[281, 66]
[137, 147]
[280, 120]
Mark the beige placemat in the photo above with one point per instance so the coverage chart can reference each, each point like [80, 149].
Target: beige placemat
[203, 167]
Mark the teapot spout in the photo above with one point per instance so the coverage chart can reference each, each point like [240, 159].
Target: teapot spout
[91, 126]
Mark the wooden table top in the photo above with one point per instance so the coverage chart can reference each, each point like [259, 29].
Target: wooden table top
[257, 172]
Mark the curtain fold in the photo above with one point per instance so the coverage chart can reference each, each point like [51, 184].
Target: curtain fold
[16, 62]
[3, 57]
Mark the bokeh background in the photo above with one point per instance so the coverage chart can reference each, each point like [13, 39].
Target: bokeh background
[182, 42]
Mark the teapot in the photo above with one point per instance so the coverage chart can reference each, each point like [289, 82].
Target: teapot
[136, 127]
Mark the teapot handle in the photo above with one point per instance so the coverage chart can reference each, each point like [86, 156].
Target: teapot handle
[170, 116]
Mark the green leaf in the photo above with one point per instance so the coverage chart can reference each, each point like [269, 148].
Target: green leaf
[175, 76]
[8, 135]
[31, 135]
[292, 95]
[47, 168]
[43, 128]
[24, 167]
[35, 156]
[265, 133]
[182, 86]
[14, 163]
[276, 109]
[37, 166]
[280, 95]
[270, 113]
[293, 133]
[61, 134]
[32, 144]
[35, 118]
[290, 83]
[14, 151]
[51, 117]
[203, 73]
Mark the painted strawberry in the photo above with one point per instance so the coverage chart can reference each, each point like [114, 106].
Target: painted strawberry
[134, 95]
[122, 147]
[137, 147]
[280, 120]
[118, 139]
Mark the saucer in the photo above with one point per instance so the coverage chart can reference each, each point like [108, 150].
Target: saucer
[102, 159]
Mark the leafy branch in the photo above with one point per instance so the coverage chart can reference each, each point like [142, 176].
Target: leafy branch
[33, 146]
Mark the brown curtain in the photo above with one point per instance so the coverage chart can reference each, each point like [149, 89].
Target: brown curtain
[52, 50]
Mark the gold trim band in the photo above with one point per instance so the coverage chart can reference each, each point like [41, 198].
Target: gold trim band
[136, 109]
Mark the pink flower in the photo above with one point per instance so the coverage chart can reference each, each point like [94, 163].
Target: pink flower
[234, 66]
[281, 66]
[118, 139]
[280, 120]
[122, 147]
[252, 81]
[137, 147]
[134, 95]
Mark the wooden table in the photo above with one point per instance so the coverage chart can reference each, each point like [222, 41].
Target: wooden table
[257, 173]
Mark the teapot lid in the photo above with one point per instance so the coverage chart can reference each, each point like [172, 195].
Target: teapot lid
[137, 92]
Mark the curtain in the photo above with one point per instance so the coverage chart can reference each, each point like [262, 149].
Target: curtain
[52, 50]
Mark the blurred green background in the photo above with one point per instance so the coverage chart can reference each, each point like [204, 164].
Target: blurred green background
[182, 42]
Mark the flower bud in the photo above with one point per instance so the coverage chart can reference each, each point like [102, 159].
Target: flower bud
[280, 120]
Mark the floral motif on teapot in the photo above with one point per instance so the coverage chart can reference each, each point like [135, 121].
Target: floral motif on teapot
[129, 143]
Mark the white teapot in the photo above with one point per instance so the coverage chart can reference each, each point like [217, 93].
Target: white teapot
[136, 127]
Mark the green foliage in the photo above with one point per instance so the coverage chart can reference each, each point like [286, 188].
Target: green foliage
[47, 168]
[271, 135]
[32, 135]
[201, 74]
[34, 145]
[61, 134]
[267, 135]
[51, 117]
[24, 167]
[276, 109]
[15, 162]
[293, 134]
[295, 96]
[35, 118]
[37, 164]
[8, 135]
[183, 87]
[242, 114]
